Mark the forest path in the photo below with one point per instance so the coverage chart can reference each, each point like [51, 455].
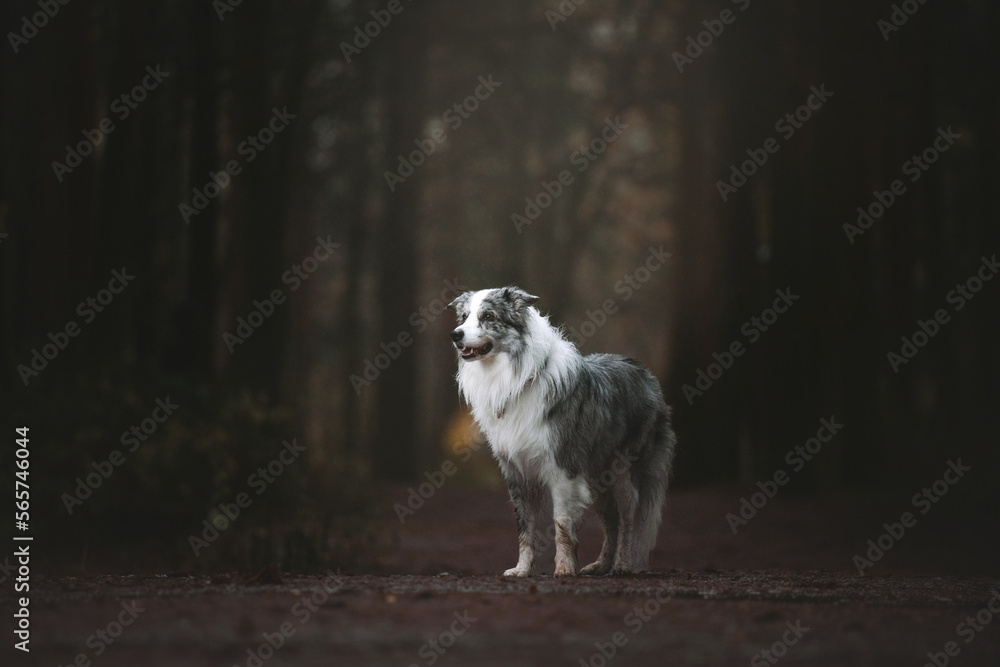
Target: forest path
[785, 583]
[681, 618]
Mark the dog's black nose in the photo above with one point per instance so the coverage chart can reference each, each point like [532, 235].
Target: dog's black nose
[457, 335]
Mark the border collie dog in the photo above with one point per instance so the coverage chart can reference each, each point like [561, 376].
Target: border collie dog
[588, 429]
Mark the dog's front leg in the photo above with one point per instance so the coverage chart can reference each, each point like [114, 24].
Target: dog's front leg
[526, 497]
[569, 498]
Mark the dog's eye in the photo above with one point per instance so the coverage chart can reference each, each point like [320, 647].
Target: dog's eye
[488, 317]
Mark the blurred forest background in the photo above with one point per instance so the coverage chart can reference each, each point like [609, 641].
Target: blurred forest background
[558, 73]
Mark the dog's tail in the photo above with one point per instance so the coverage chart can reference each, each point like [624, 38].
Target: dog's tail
[652, 485]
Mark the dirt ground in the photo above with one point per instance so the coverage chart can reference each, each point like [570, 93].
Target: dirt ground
[785, 584]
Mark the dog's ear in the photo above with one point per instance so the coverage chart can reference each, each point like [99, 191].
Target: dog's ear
[460, 303]
[518, 298]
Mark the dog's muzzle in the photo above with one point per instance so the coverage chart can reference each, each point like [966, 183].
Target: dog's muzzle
[469, 352]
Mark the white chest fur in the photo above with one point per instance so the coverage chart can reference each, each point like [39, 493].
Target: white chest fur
[509, 401]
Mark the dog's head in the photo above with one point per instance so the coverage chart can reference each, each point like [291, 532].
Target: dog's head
[490, 321]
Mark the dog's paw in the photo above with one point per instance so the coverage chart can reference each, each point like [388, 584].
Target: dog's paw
[517, 572]
[621, 569]
[595, 569]
[564, 571]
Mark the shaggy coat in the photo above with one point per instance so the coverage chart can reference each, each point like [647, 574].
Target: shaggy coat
[589, 430]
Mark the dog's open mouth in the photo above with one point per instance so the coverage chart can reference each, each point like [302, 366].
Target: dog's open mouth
[470, 353]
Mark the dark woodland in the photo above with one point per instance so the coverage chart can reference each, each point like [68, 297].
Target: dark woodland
[403, 245]
[228, 231]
